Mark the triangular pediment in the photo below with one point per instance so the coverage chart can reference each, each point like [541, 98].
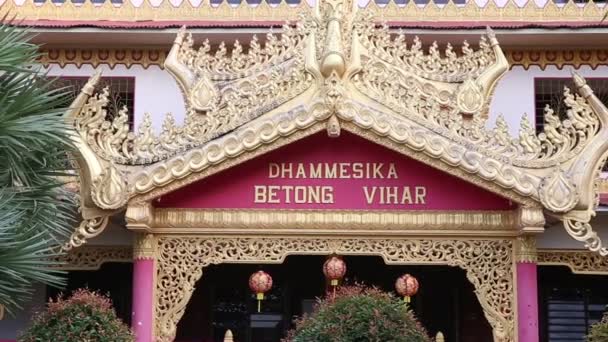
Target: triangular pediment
[344, 173]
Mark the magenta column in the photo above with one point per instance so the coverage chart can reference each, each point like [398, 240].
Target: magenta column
[527, 290]
[142, 316]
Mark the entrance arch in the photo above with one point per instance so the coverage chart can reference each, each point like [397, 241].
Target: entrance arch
[488, 264]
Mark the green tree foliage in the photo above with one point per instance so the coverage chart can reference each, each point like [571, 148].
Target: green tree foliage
[85, 316]
[35, 209]
[359, 314]
[599, 331]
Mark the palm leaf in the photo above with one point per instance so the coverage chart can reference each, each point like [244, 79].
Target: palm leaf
[36, 213]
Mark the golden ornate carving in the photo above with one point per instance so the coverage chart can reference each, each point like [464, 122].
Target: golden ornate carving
[139, 216]
[333, 127]
[91, 258]
[558, 58]
[531, 219]
[97, 57]
[557, 193]
[488, 264]
[580, 262]
[87, 229]
[144, 246]
[108, 190]
[336, 222]
[264, 13]
[525, 249]
[337, 62]
[582, 231]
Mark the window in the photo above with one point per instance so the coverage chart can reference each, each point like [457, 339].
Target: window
[550, 91]
[122, 92]
[570, 303]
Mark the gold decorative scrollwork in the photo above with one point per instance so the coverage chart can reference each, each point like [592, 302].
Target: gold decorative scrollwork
[90, 258]
[488, 264]
[557, 193]
[109, 190]
[582, 231]
[580, 262]
[327, 221]
[88, 228]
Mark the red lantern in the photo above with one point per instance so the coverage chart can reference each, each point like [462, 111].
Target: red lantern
[406, 286]
[334, 269]
[260, 282]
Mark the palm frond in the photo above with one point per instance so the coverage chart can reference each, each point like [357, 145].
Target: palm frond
[36, 214]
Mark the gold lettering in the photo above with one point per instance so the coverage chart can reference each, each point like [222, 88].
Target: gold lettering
[272, 194]
[301, 173]
[369, 197]
[377, 170]
[420, 195]
[315, 170]
[328, 194]
[344, 170]
[330, 171]
[273, 170]
[357, 170]
[286, 170]
[260, 194]
[287, 189]
[300, 194]
[392, 172]
[391, 195]
[406, 196]
[314, 194]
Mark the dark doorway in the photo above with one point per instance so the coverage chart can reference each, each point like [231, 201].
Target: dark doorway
[445, 302]
[112, 279]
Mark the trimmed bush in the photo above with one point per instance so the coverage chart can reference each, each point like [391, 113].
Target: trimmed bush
[359, 314]
[599, 331]
[85, 316]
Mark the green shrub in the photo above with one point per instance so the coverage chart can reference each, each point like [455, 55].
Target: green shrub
[599, 331]
[359, 314]
[85, 316]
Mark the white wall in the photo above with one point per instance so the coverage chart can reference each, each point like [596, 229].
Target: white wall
[556, 236]
[514, 94]
[155, 90]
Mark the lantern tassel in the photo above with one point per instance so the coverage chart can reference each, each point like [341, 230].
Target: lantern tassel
[260, 297]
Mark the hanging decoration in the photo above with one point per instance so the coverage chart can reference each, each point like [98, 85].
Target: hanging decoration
[406, 286]
[260, 282]
[334, 270]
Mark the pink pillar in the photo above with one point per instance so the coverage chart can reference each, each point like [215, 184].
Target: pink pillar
[527, 302]
[142, 320]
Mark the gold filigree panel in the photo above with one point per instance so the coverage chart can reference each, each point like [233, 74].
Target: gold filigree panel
[488, 264]
[90, 258]
[173, 220]
[579, 261]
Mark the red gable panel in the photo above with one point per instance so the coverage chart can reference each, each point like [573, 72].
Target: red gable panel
[345, 173]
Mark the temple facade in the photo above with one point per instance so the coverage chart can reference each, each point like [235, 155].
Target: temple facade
[461, 142]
